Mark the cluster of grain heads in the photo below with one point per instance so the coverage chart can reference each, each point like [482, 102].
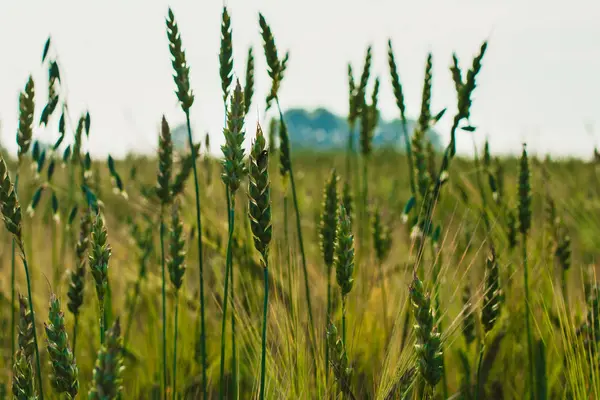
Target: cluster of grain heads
[429, 345]
[524, 219]
[339, 362]
[12, 216]
[259, 209]
[22, 378]
[176, 266]
[77, 276]
[344, 260]
[186, 98]
[99, 254]
[234, 171]
[107, 381]
[65, 375]
[327, 234]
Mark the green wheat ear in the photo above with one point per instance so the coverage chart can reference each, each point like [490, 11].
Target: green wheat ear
[429, 345]
[25, 330]
[185, 170]
[165, 163]
[64, 376]
[276, 67]
[249, 83]
[26, 112]
[347, 199]
[469, 323]
[339, 360]
[492, 298]
[77, 276]
[328, 224]
[107, 378]
[524, 209]
[234, 168]
[176, 261]
[344, 252]
[9, 205]
[182, 70]
[22, 380]
[259, 191]
[226, 54]
[382, 237]
[396, 85]
[99, 254]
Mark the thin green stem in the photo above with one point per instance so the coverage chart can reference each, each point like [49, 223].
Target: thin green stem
[55, 271]
[102, 322]
[35, 341]
[175, 347]
[411, 172]
[527, 319]
[234, 369]
[130, 314]
[12, 288]
[264, 332]
[350, 149]
[225, 296]
[200, 258]
[164, 305]
[384, 299]
[344, 320]
[329, 268]
[481, 352]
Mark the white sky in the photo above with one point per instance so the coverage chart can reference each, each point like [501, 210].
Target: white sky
[540, 80]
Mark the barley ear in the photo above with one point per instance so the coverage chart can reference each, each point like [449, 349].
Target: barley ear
[165, 163]
[22, 378]
[328, 223]
[428, 346]
[234, 169]
[226, 54]
[107, 376]
[182, 70]
[64, 376]
[26, 112]
[259, 191]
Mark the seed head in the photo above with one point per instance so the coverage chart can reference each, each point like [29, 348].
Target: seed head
[25, 330]
[23, 385]
[76, 286]
[64, 376]
[26, 111]
[249, 86]
[492, 298]
[524, 190]
[234, 169]
[259, 191]
[176, 262]
[339, 359]
[9, 204]
[469, 319]
[347, 199]
[382, 238]
[344, 252]
[106, 380]
[165, 163]
[99, 255]
[329, 219]
[226, 54]
[182, 70]
[398, 93]
[429, 345]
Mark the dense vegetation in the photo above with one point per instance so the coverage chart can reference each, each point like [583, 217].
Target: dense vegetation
[354, 274]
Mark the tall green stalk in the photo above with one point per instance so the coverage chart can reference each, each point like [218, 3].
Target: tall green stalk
[164, 304]
[186, 98]
[175, 347]
[225, 297]
[12, 288]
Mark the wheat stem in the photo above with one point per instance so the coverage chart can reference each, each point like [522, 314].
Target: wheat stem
[175, 347]
[164, 304]
[225, 294]
[264, 331]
